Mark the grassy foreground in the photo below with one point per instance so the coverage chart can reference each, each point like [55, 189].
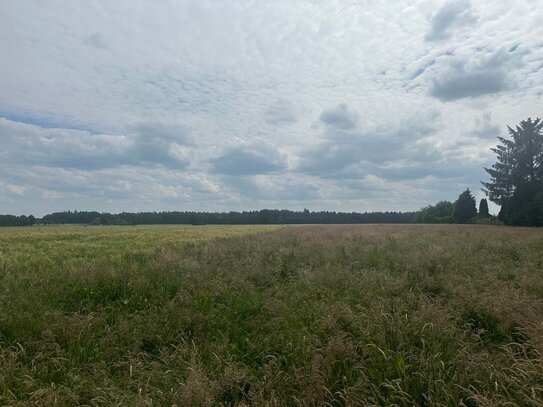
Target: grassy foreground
[371, 315]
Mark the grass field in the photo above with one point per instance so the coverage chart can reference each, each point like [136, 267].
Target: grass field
[428, 315]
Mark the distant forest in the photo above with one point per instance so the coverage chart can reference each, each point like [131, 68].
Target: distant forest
[264, 216]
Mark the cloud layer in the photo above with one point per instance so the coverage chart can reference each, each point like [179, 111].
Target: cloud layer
[199, 105]
[453, 16]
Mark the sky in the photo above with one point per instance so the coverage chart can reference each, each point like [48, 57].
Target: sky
[344, 105]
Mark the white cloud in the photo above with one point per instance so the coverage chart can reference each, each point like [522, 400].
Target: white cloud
[12, 188]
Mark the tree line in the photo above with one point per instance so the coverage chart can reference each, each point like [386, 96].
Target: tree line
[264, 216]
[11, 220]
[461, 211]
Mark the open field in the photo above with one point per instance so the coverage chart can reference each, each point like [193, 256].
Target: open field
[429, 315]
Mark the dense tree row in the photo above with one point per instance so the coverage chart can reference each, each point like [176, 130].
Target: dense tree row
[10, 220]
[264, 216]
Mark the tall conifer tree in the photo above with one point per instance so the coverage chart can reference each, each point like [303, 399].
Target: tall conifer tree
[516, 179]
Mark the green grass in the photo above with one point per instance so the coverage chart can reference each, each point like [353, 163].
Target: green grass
[251, 315]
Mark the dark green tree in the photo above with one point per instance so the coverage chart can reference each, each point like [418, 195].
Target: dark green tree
[516, 179]
[525, 208]
[483, 209]
[440, 213]
[464, 207]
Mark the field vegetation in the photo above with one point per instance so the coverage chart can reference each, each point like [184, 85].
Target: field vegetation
[350, 315]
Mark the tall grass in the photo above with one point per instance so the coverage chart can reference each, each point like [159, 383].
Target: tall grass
[316, 315]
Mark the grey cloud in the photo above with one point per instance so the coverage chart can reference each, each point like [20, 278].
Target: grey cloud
[485, 128]
[163, 131]
[33, 145]
[329, 160]
[144, 152]
[67, 148]
[272, 187]
[249, 159]
[453, 15]
[442, 168]
[95, 40]
[134, 188]
[476, 76]
[160, 143]
[469, 84]
[340, 117]
[281, 112]
[348, 154]
[420, 70]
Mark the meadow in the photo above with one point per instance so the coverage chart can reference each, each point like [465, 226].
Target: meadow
[336, 315]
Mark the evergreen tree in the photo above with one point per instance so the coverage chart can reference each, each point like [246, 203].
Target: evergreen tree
[516, 179]
[483, 209]
[525, 208]
[464, 207]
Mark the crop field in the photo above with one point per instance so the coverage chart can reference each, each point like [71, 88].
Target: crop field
[338, 315]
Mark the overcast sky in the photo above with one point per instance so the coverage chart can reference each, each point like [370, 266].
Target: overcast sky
[231, 105]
